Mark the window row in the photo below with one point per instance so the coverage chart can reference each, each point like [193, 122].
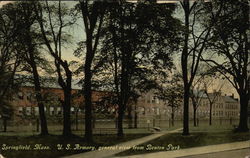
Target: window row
[231, 113]
[150, 99]
[231, 106]
[51, 110]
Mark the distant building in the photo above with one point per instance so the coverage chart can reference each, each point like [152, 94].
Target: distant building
[149, 106]
[25, 105]
[223, 107]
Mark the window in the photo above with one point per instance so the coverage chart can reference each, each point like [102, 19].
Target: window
[72, 109]
[157, 101]
[143, 111]
[32, 110]
[51, 110]
[59, 110]
[20, 110]
[29, 96]
[36, 111]
[28, 111]
[20, 95]
[157, 111]
[153, 110]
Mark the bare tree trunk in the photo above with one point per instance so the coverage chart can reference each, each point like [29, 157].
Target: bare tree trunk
[123, 98]
[38, 90]
[90, 20]
[194, 114]
[67, 112]
[244, 82]
[42, 116]
[135, 120]
[121, 110]
[172, 117]
[4, 124]
[124, 80]
[186, 113]
[88, 102]
[77, 119]
[184, 63]
[210, 114]
[130, 118]
[243, 125]
[87, 89]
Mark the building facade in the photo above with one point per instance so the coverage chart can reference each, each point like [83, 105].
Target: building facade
[25, 105]
[147, 107]
[223, 106]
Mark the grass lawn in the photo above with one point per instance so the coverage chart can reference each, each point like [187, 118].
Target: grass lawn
[176, 141]
[50, 146]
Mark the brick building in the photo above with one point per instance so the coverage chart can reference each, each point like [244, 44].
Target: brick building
[224, 106]
[147, 107]
[25, 105]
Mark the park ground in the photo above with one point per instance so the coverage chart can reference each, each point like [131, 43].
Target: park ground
[49, 146]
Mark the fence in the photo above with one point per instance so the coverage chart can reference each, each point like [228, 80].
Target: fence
[104, 126]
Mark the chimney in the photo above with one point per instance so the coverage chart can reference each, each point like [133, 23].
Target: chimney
[232, 95]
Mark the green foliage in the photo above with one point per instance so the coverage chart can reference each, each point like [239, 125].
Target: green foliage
[140, 38]
[229, 38]
[6, 110]
[171, 92]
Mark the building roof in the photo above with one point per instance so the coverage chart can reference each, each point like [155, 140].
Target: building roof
[229, 99]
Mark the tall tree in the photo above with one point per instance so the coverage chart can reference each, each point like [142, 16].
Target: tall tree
[137, 50]
[230, 41]
[10, 58]
[92, 15]
[171, 93]
[53, 20]
[196, 94]
[194, 41]
[212, 97]
[28, 41]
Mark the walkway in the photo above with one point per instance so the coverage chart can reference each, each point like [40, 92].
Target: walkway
[240, 153]
[195, 150]
[112, 150]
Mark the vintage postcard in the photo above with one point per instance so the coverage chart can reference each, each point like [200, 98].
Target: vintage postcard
[124, 79]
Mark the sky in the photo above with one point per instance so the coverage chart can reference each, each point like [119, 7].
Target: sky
[4, 2]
